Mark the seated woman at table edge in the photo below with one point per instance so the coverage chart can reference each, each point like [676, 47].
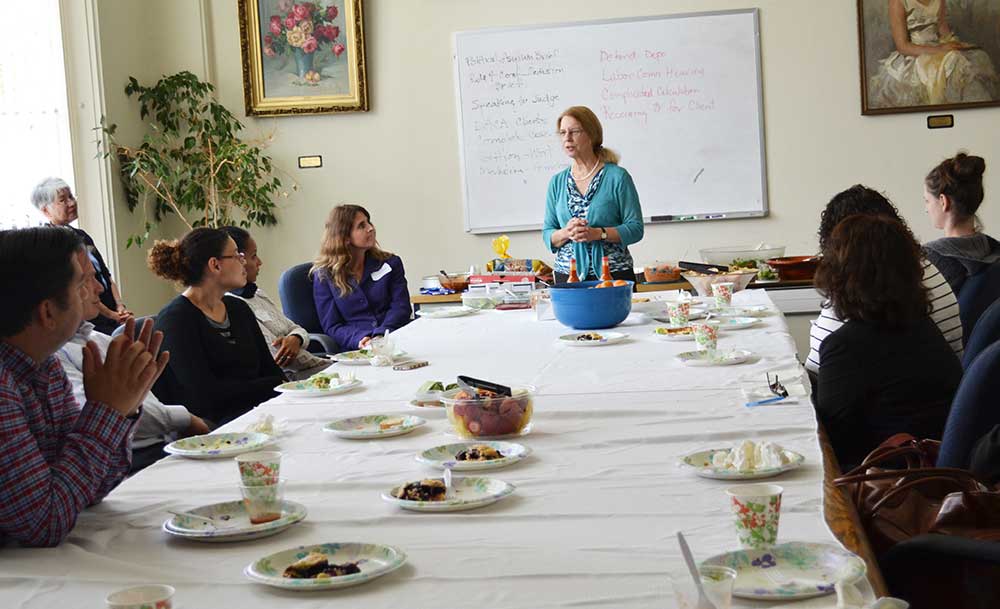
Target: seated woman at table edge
[592, 207]
[888, 369]
[54, 198]
[221, 366]
[953, 192]
[57, 457]
[159, 423]
[287, 339]
[860, 199]
[359, 289]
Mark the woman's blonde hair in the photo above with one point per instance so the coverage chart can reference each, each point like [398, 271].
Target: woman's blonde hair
[592, 126]
[335, 253]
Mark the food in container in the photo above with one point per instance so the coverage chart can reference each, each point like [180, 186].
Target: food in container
[748, 255]
[457, 282]
[661, 272]
[488, 414]
[482, 300]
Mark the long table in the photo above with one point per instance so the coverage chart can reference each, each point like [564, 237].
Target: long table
[591, 524]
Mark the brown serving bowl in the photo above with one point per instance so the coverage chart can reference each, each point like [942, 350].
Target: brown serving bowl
[791, 268]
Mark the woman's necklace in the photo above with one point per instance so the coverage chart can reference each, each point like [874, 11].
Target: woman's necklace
[589, 173]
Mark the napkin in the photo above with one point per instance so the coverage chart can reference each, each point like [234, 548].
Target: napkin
[755, 386]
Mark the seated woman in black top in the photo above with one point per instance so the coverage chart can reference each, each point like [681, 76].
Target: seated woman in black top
[888, 369]
[220, 366]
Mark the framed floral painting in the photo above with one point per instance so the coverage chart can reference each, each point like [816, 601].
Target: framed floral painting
[928, 55]
[303, 57]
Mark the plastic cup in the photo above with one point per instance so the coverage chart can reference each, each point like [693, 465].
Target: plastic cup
[382, 350]
[263, 503]
[706, 336]
[259, 468]
[717, 581]
[153, 596]
[757, 508]
[723, 293]
[679, 313]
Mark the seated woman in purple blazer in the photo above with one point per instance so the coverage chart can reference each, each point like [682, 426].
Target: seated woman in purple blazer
[360, 290]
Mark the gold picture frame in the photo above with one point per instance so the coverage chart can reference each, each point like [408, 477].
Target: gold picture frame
[303, 57]
[960, 65]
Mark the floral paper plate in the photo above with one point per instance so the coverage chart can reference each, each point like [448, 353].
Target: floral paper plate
[467, 494]
[742, 311]
[447, 312]
[374, 560]
[738, 323]
[602, 338]
[374, 426]
[714, 358]
[360, 357]
[701, 461]
[233, 522]
[791, 570]
[444, 456]
[217, 445]
[301, 390]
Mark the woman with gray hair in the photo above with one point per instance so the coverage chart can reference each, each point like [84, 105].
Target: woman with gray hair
[54, 199]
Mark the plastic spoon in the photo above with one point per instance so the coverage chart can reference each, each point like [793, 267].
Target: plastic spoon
[202, 519]
[703, 602]
[448, 491]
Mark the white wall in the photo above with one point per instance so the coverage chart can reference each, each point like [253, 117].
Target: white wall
[401, 159]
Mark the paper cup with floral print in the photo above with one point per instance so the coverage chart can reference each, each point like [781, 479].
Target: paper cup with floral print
[679, 313]
[723, 293]
[259, 468]
[156, 596]
[757, 508]
[706, 336]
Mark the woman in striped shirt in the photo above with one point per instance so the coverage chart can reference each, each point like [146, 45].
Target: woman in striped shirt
[860, 199]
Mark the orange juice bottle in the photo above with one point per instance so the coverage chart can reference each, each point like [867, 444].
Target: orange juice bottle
[606, 280]
[573, 277]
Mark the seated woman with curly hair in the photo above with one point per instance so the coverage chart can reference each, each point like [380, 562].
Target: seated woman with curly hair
[888, 369]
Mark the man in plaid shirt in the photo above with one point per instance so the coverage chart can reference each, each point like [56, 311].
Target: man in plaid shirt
[55, 457]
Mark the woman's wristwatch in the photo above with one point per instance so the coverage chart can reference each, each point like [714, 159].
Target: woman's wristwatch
[604, 234]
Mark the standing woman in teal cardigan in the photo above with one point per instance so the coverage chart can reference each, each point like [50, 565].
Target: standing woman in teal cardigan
[592, 208]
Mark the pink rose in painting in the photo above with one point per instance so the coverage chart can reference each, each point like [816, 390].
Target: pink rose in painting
[331, 12]
[268, 40]
[301, 11]
[276, 19]
[289, 22]
[269, 51]
[310, 45]
[338, 49]
[334, 31]
[284, 5]
[276, 27]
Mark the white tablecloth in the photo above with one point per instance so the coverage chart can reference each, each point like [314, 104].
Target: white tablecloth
[592, 522]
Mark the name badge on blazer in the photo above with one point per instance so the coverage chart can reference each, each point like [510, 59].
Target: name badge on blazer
[382, 272]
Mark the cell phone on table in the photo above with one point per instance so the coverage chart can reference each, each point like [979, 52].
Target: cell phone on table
[410, 365]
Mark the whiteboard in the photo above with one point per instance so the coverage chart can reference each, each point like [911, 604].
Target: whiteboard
[679, 98]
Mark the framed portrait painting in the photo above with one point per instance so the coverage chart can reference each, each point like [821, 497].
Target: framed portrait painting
[928, 55]
[303, 57]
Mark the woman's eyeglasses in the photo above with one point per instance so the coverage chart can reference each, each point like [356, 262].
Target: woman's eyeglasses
[573, 133]
[241, 256]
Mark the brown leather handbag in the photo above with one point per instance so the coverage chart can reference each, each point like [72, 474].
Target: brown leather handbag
[899, 494]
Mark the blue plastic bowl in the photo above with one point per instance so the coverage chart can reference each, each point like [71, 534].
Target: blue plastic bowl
[577, 306]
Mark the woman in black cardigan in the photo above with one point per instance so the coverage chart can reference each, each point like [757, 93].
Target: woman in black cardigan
[888, 369]
[220, 364]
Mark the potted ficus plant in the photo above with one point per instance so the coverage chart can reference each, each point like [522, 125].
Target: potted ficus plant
[193, 162]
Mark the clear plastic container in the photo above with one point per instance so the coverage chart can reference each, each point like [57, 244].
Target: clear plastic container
[490, 417]
[482, 300]
[726, 255]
